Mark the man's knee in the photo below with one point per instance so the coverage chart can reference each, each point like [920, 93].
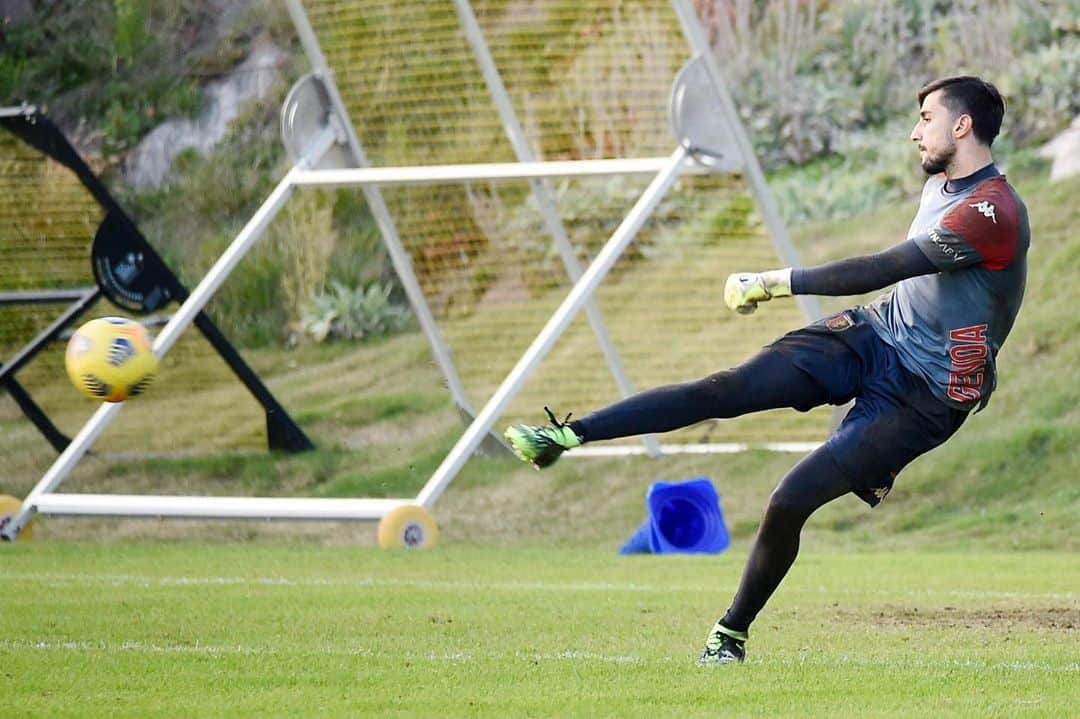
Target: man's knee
[813, 482]
[786, 507]
[717, 385]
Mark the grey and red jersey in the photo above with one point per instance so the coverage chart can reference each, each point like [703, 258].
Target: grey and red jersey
[948, 327]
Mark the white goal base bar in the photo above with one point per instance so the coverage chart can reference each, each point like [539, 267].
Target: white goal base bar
[327, 509]
[717, 448]
[133, 505]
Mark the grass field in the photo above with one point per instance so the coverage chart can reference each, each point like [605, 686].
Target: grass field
[186, 629]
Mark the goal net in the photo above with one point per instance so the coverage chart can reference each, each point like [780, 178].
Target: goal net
[586, 80]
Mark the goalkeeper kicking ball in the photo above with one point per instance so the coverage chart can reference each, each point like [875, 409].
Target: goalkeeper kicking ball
[110, 359]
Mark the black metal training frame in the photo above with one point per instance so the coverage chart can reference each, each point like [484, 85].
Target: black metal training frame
[130, 274]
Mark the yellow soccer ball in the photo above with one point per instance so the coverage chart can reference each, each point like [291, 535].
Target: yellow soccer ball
[110, 359]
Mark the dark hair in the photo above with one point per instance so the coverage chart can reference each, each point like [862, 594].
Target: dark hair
[968, 95]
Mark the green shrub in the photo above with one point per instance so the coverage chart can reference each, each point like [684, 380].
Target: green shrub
[806, 75]
[1043, 90]
[353, 313]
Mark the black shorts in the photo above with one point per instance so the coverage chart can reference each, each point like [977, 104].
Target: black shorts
[895, 418]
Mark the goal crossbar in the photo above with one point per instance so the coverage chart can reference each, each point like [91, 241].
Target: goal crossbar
[484, 171]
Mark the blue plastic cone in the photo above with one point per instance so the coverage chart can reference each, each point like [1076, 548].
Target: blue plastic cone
[640, 542]
[684, 518]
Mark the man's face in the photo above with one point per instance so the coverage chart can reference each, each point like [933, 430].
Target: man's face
[933, 134]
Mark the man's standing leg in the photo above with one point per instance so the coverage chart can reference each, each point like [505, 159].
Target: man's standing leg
[813, 482]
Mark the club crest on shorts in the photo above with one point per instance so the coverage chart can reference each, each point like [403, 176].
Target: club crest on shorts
[840, 322]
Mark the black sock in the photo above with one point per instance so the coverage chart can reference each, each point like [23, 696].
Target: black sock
[812, 483]
[576, 428]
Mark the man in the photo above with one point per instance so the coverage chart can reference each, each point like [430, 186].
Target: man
[915, 361]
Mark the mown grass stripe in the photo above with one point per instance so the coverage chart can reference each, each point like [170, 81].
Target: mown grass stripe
[366, 582]
[96, 645]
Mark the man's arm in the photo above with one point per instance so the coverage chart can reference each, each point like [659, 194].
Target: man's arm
[857, 275]
[852, 276]
[981, 230]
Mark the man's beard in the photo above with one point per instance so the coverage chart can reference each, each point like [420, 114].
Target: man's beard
[937, 164]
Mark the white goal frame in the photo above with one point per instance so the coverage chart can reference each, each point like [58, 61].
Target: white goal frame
[43, 499]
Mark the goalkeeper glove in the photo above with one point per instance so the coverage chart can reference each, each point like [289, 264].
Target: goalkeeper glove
[743, 290]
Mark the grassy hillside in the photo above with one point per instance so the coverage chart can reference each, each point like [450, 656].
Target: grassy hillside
[382, 422]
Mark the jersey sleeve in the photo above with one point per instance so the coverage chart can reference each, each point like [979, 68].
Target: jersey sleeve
[981, 230]
[857, 275]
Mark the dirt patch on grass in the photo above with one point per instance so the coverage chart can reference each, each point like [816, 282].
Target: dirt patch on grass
[1020, 618]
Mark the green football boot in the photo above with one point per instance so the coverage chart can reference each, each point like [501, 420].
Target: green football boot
[724, 646]
[542, 444]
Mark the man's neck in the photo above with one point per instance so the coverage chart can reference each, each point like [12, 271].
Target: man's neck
[961, 184]
[968, 163]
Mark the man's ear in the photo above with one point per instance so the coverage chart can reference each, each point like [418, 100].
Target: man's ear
[962, 126]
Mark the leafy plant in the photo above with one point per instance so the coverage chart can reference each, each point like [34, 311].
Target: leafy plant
[806, 75]
[131, 36]
[353, 313]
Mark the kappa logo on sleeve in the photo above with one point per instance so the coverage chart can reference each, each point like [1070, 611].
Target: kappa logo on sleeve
[986, 208]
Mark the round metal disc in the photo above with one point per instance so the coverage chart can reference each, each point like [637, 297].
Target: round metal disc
[697, 119]
[305, 114]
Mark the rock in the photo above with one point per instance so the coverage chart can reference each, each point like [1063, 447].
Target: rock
[12, 12]
[1064, 150]
[149, 163]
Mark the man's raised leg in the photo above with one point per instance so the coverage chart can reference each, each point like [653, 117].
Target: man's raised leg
[768, 380]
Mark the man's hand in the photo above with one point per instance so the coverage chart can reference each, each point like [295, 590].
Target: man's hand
[743, 290]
